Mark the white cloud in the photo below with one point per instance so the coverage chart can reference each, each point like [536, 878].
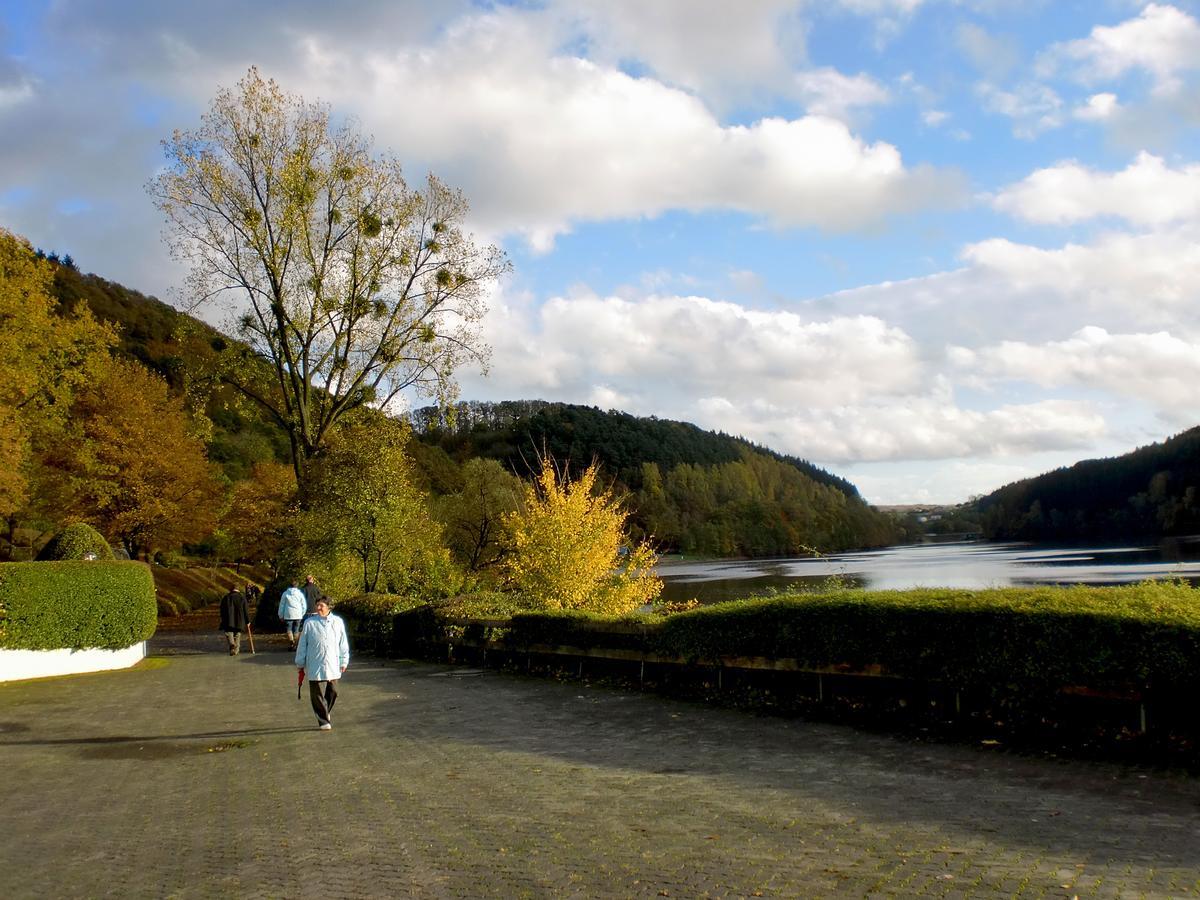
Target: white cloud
[539, 142]
[1098, 108]
[713, 47]
[1146, 193]
[841, 389]
[15, 94]
[1155, 277]
[705, 347]
[1158, 369]
[918, 427]
[827, 92]
[1162, 41]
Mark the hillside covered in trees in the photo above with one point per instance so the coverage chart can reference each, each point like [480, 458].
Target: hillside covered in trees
[690, 490]
[1150, 492]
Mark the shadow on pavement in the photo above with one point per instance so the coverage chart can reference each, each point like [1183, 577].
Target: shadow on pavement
[1079, 808]
[232, 733]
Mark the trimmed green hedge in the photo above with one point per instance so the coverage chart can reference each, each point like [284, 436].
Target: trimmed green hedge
[76, 542]
[1135, 636]
[369, 616]
[585, 630]
[1101, 637]
[76, 605]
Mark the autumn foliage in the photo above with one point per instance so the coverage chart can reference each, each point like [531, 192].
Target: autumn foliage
[44, 358]
[132, 464]
[568, 547]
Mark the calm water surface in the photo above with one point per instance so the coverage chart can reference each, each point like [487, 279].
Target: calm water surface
[966, 565]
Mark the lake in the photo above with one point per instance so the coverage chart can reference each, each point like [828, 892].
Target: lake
[968, 564]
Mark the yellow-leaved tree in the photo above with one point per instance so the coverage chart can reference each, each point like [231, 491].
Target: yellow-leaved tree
[44, 358]
[568, 547]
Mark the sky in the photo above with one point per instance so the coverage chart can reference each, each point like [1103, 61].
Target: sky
[933, 246]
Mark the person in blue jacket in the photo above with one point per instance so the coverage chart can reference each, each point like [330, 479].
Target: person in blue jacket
[322, 654]
[292, 606]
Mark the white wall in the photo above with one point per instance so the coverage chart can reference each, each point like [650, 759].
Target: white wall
[16, 665]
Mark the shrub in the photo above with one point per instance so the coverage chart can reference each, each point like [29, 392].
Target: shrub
[76, 605]
[1019, 637]
[1013, 641]
[581, 629]
[370, 616]
[76, 542]
[485, 605]
[568, 546]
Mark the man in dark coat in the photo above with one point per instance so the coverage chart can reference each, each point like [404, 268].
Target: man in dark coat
[312, 594]
[235, 616]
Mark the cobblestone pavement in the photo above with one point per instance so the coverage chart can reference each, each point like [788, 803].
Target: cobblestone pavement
[196, 774]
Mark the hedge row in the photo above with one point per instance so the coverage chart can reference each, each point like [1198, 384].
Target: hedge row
[76, 605]
[1118, 638]
[369, 617]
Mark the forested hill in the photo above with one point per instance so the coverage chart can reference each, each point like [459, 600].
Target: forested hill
[515, 431]
[692, 490]
[1150, 492]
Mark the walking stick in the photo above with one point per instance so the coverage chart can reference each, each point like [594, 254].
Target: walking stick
[250, 634]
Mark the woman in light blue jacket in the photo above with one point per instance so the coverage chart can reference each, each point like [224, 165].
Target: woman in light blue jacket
[292, 607]
[322, 655]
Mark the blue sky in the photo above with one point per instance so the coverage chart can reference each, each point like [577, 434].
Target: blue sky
[932, 245]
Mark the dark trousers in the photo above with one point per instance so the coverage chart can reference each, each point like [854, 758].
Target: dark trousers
[324, 695]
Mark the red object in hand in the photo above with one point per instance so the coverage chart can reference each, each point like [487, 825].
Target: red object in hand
[299, 681]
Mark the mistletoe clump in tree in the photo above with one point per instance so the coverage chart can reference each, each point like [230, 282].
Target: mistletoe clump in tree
[353, 286]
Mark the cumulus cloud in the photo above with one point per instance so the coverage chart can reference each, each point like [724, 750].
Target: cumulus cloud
[700, 346]
[541, 141]
[921, 427]
[539, 138]
[839, 389]
[1146, 193]
[1162, 40]
[1154, 275]
[713, 47]
[1098, 108]
[827, 92]
[1159, 369]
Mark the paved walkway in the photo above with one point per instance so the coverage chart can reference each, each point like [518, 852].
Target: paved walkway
[198, 775]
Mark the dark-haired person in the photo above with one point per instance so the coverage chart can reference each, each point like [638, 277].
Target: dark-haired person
[323, 654]
[312, 593]
[235, 616]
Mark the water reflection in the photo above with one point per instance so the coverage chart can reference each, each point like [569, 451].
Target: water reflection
[964, 565]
